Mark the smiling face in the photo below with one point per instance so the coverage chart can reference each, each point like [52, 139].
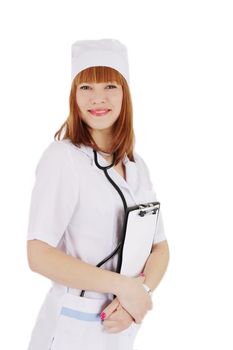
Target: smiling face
[99, 104]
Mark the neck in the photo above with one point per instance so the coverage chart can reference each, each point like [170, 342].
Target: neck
[103, 140]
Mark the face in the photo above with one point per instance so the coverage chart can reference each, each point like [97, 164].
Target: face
[99, 103]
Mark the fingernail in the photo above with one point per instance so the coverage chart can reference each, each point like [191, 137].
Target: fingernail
[102, 315]
[142, 274]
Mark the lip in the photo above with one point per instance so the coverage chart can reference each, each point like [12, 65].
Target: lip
[99, 111]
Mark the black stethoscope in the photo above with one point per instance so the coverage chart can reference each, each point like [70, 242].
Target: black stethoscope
[104, 168]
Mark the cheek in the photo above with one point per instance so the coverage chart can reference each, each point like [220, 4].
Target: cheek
[117, 100]
[81, 100]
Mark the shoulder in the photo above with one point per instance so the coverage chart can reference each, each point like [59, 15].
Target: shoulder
[143, 170]
[59, 149]
[140, 162]
[55, 154]
[55, 149]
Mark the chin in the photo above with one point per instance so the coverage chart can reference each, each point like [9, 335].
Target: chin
[99, 125]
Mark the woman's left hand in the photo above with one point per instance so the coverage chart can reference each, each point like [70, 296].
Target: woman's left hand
[117, 318]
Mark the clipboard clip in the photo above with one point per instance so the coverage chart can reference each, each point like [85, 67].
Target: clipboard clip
[146, 209]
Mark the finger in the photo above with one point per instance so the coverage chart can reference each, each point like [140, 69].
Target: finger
[110, 308]
[109, 324]
[114, 330]
[120, 307]
[114, 326]
[138, 321]
[114, 316]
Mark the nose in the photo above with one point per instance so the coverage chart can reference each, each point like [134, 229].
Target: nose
[98, 97]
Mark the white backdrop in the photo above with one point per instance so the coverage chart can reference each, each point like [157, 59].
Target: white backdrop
[180, 55]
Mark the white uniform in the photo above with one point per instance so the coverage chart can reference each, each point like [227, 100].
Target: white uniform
[75, 208]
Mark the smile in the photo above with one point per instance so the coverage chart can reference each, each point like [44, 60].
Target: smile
[99, 112]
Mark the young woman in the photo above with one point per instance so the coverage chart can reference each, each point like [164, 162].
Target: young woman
[76, 214]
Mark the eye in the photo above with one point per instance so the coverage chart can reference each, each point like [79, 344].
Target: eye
[112, 86]
[84, 86]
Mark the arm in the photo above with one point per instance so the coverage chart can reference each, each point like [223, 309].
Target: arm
[154, 270]
[70, 271]
[73, 272]
[156, 264]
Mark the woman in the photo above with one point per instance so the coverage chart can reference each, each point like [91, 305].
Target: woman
[76, 214]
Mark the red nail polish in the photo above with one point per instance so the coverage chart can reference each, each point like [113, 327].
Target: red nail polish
[102, 315]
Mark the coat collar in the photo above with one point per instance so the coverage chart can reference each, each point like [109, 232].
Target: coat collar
[89, 151]
[132, 177]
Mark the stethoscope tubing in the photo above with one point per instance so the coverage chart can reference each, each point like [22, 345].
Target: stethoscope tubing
[104, 168]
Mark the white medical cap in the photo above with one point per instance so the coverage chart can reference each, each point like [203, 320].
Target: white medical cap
[102, 52]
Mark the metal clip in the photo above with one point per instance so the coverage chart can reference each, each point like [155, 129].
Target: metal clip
[148, 211]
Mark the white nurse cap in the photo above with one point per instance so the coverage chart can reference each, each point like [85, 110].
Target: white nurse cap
[102, 52]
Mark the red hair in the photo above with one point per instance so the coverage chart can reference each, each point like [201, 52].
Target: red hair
[123, 134]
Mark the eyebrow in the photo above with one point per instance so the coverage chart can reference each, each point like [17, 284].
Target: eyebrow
[108, 82]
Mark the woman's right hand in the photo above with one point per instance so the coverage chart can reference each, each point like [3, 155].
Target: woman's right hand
[134, 298]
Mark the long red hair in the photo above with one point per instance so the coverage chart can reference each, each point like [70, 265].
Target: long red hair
[123, 139]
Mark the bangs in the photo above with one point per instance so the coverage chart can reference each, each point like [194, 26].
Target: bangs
[99, 74]
[78, 132]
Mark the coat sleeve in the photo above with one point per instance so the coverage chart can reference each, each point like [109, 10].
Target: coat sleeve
[54, 196]
[159, 230]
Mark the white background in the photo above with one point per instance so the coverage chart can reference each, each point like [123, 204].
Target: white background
[180, 55]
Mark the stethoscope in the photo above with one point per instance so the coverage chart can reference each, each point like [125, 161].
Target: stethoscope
[104, 168]
[119, 247]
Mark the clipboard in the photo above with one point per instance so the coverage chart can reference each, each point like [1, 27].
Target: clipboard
[138, 232]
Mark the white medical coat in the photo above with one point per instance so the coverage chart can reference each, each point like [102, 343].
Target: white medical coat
[75, 208]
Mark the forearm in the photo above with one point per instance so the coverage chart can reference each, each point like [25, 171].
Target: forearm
[156, 265]
[70, 271]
